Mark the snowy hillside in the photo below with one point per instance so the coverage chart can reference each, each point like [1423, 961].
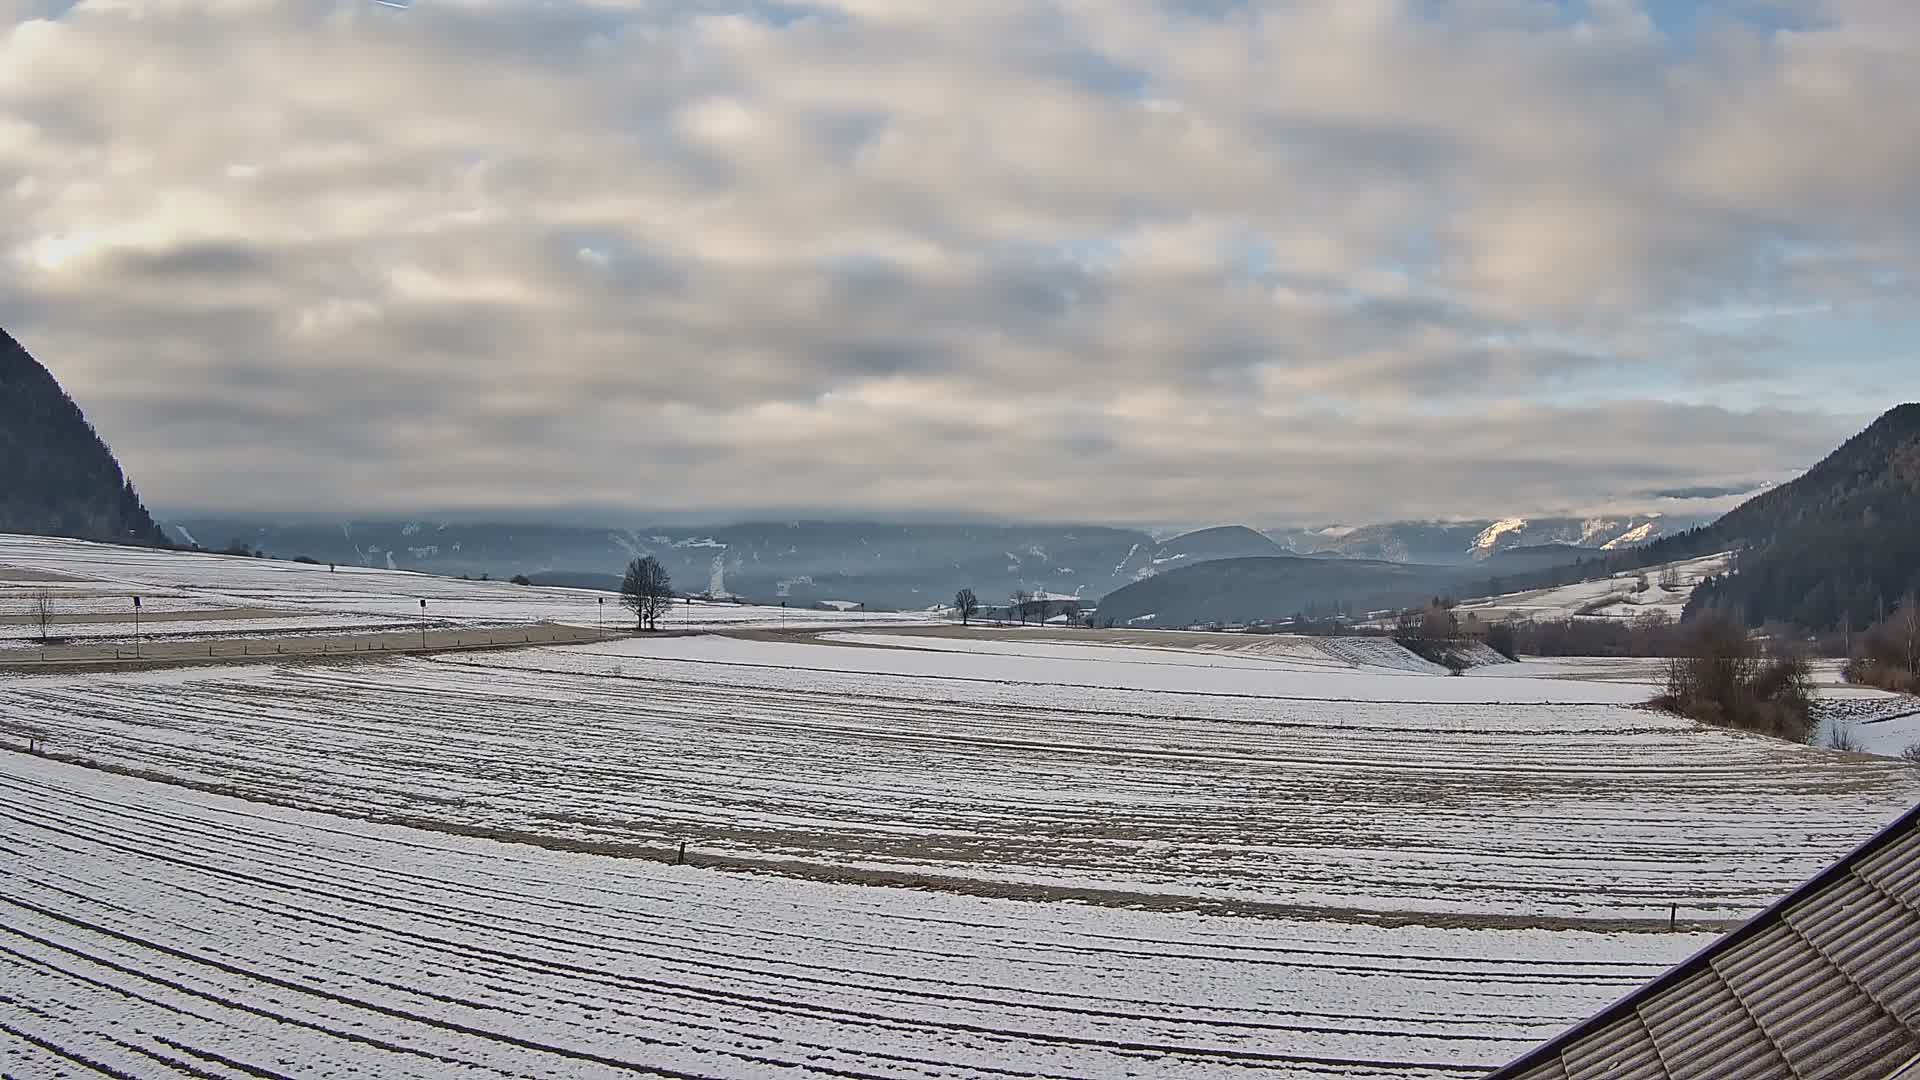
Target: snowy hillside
[1618, 597]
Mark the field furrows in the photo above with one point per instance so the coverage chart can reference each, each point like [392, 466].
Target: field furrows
[157, 931]
[1520, 811]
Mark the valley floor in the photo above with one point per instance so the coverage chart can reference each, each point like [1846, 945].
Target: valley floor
[156, 931]
[913, 854]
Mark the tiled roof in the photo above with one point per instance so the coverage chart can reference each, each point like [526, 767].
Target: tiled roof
[1825, 984]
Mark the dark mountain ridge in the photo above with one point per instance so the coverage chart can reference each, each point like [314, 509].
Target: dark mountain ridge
[1837, 545]
[1273, 588]
[57, 478]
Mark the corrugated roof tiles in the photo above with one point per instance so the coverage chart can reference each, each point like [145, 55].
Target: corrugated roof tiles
[1824, 985]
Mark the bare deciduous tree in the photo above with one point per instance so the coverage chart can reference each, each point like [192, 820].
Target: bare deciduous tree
[965, 605]
[43, 612]
[1021, 599]
[646, 591]
[1907, 624]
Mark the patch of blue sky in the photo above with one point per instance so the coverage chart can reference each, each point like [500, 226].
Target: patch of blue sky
[1683, 23]
[1101, 74]
[1849, 358]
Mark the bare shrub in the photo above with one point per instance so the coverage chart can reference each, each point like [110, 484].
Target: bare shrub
[1721, 678]
[1911, 754]
[1888, 654]
[1841, 737]
[1433, 634]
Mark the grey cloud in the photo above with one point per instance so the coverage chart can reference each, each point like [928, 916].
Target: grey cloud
[1132, 261]
[1707, 491]
[210, 261]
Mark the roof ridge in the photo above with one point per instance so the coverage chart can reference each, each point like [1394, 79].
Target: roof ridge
[1703, 960]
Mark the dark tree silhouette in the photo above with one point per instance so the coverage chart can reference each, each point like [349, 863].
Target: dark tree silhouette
[43, 612]
[966, 605]
[646, 591]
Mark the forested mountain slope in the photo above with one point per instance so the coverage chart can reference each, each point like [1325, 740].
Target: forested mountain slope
[1272, 588]
[1840, 544]
[57, 478]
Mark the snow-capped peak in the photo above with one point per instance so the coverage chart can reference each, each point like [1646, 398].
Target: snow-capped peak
[1639, 534]
[1489, 537]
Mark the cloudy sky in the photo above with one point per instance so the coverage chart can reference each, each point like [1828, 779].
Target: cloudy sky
[1121, 260]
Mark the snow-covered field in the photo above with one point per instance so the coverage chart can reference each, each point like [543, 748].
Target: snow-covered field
[1194, 784]
[161, 932]
[24, 635]
[1260, 652]
[1870, 720]
[102, 574]
[1589, 597]
[1316, 674]
[926, 854]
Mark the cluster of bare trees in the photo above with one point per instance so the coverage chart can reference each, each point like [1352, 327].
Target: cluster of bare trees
[1434, 622]
[1022, 604]
[1433, 633]
[1722, 676]
[1888, 654]
[1039, 607]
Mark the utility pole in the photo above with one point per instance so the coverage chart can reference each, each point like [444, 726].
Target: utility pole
[136, 628]
[423, 623]
[603, 616]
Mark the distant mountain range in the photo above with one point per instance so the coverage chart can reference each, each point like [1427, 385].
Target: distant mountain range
[1840, 545]
[1444, 543]
[57, 478]
[884, 565]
